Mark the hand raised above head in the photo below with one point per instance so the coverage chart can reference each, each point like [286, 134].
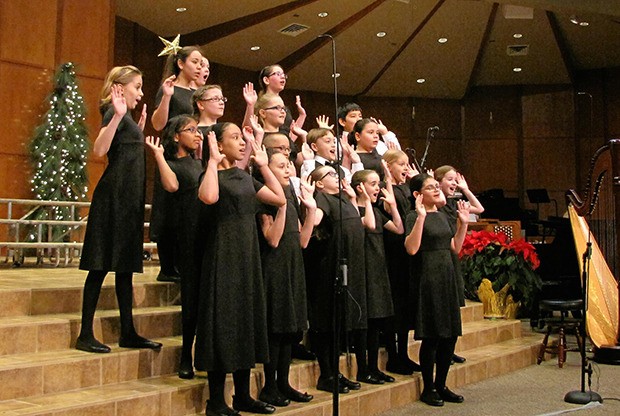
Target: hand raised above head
[249, 94]
[300, 109]
[323, 122]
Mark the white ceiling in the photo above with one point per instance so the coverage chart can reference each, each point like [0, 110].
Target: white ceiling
[478, 32]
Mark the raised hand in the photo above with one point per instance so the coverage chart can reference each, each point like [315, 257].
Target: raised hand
[249, 94]
[300, 109]
[430, 172]
[248, 134]
[307, 192]
[388, 197]
[118, 100]
[323, 122]
[168, 85]
[298, 131]
[214, 151]
[153, 144]
[306, 152]
[462, 209]
[349, 151]
[380, 126]
[387, 175]
[259, 154]
[412, 171]
[142, 121]
[256, 127]
[419, 206]
[346, 188]
[461, 182]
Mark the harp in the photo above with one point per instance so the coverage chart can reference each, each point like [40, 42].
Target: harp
[594, 219]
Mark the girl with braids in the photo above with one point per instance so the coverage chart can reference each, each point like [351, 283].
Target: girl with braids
[430, 241]
[114, 233]
[180, 173]
[232, 329]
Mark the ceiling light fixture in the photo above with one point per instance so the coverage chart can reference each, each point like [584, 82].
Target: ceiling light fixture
[255, 48]
[421, 81]
[442, 40]
[336, 75]
[323, 14]
[517, 36]
[517, 69]
[381, 34]
[574, 19]
[181, 9]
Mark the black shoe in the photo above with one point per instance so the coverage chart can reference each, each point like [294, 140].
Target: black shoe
[253, 406]
[186, 370]
[224, 411]
[458, 359]
[449, 396]
[369, 378]
[296, 396]
[397, 367]
[351, 385]
[273, 398]
[137, 341]
[92, 345]
[162, 277]
[431, 397]
[327, 384]
[300, 352]
[382, 376]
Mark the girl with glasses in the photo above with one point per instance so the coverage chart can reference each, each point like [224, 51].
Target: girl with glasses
[180, 173]
[430, 242]
[208, 104]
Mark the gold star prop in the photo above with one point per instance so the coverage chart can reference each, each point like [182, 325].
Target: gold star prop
[171, 48]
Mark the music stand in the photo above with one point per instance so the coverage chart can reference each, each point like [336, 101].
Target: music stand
[540, 196]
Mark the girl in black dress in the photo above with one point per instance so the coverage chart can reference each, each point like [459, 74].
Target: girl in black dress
[114, 233]
[231, 334]
[180, 173]
[322, 266]
[366, 133]
[173, 98]
[208, 104]
[378, 290]
[430, 241]
[283, 271]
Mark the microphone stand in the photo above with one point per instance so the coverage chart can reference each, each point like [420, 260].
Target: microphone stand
[340, 282]
[430, 134]
[582, 396]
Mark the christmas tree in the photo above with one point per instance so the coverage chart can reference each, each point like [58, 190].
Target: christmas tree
[59, 150]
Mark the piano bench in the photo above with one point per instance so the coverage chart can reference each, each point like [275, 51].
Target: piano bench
[562, 324]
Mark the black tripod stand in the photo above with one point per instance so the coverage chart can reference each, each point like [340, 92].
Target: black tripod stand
[582, 396]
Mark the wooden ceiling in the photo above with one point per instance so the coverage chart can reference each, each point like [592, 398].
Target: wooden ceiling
[479, 34]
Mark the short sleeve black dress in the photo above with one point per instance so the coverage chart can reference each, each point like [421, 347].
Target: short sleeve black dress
[322, 265]
[232, 327]
[115, 231]
[434, 280]
[283, 274]
[450, 209]
[378, 290]
[372, 161]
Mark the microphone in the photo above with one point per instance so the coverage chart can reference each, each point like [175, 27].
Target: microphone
[434, 128]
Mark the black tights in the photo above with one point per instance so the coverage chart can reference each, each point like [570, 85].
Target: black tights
[436, 352]
[277, 369]
[124, 294]
[217, 381]
[322, 345]
[166, 253]
[375, 326]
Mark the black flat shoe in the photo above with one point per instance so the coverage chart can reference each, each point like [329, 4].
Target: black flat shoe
[350, 384]
[300, 352]
[382, 376]
[273, 398]
[162, 277]
[327, 384]
[92, 345]
[253, 406]
[186, 370]
[431, 397]
[449, 396]
[138, 342]
[224, 411]
[458, 359]
[296, 396]
[369, 378]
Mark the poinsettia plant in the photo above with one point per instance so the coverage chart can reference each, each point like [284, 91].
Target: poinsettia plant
[491, 255]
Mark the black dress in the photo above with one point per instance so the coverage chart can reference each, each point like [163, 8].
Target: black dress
[283, 274]
[115, 231]
[322, 265]
[372, 161]
[434, 279]
[232, 327]
[378, 290]
[397, 261]
[450, 209]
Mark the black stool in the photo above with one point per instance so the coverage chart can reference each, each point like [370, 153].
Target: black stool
[563, 322]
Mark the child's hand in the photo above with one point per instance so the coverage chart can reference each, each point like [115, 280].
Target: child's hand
[118, 100]
[462, 208]
[461, 182]
[214, 151]
[153, 144]
[346, 188]
[380, 126]
[259, 154]
[142, 121]
[323, 122]
[298, 132]
[307, 193]
[167, 86]
[419, 206]
[306, 152]
[249, 94]
[300, 109]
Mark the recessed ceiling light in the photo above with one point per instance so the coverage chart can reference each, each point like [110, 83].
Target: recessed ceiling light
[574, 19]
[517, 69]
[181, 9]
[255, 48]
[584, 24]
[421, 81]
[323, 14]
[517, 36]
[381, 34]
[442, 40]
[337, 75]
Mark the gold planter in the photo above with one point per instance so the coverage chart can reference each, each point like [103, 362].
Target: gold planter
[498, 305]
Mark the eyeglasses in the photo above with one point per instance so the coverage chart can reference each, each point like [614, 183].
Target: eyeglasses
[192, 130]
[435, 187]
[214, 99]
[331, 173]
[276, 107]
[279, 74]
[282, 149]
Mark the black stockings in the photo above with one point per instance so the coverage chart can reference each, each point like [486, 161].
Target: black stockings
[436, 352]
[277, 369]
